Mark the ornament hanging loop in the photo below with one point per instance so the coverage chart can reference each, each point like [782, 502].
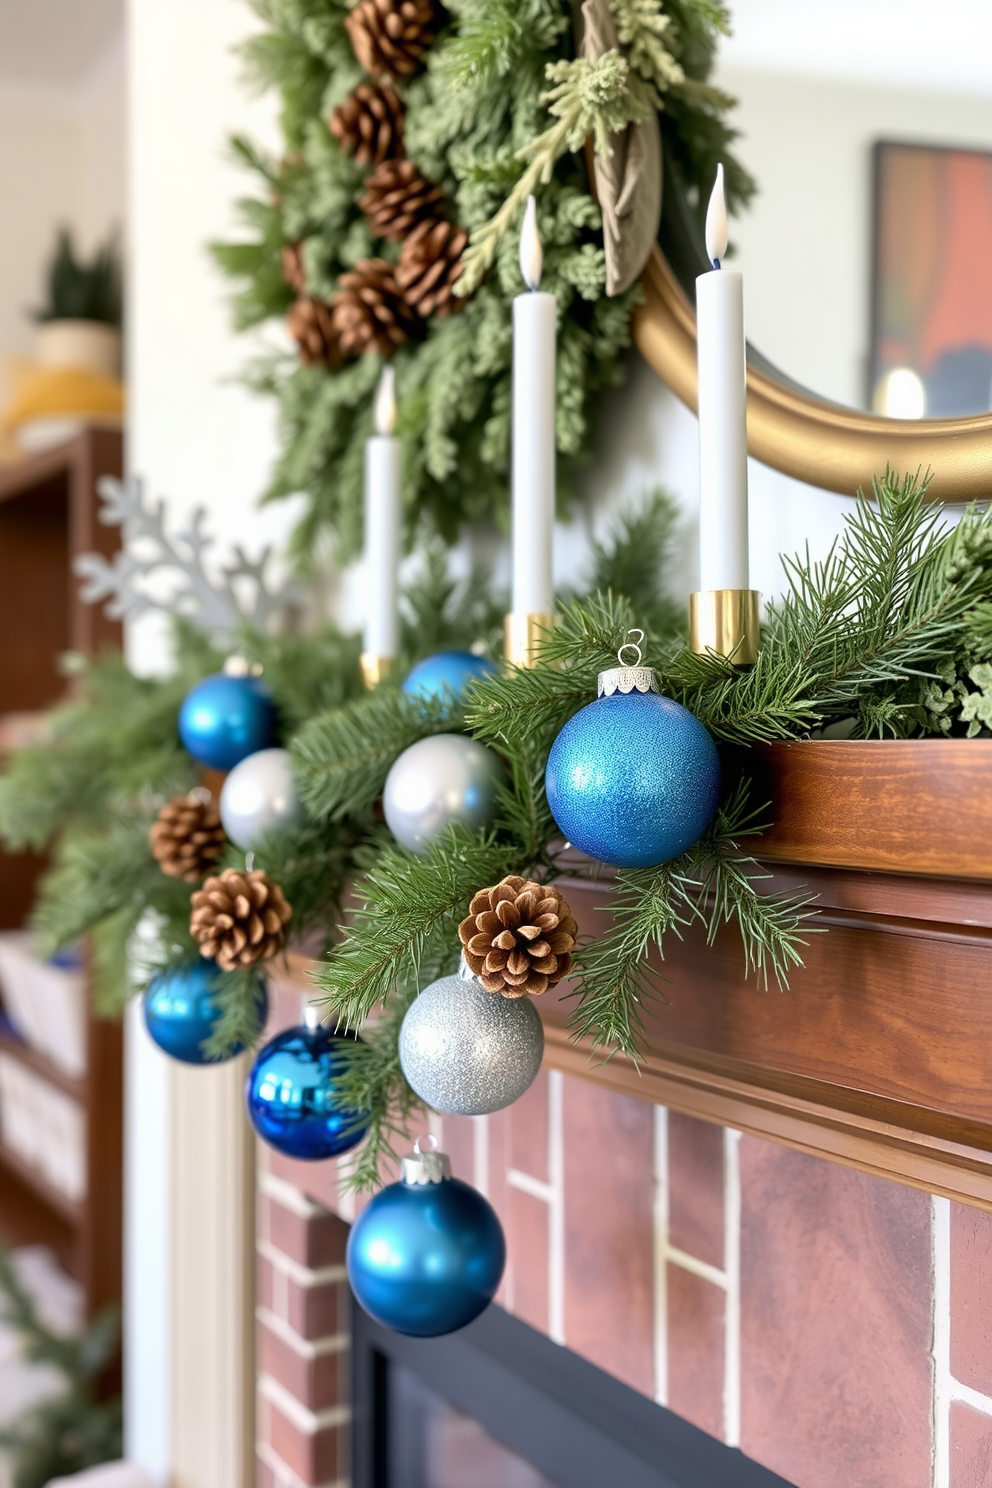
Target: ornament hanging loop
[634, 646]
[249, 861]
[422, 1167]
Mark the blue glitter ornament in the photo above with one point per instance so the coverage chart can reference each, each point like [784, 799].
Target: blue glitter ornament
[448, 673]
[290, 1093]
[225, 718]
[427, 1255]
[634, 778]
[182, 1010]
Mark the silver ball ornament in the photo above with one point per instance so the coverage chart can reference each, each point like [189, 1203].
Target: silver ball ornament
[469, 1052]
[258, 796]
[446, 778]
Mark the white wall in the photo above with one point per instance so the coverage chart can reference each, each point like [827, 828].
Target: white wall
[61, 163]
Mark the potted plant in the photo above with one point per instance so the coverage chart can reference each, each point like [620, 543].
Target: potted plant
[79, 323]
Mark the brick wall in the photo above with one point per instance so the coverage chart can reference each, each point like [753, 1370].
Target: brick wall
[834, 1325]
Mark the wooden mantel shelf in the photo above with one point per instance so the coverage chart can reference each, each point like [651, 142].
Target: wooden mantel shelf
[880, 1053]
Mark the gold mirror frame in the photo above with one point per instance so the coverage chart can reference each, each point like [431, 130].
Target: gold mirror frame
[823, 444]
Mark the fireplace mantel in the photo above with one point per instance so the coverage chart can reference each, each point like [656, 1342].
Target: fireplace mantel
[880, 1054]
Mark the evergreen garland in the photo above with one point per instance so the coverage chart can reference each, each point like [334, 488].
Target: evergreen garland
[501, 106]
[889, 636]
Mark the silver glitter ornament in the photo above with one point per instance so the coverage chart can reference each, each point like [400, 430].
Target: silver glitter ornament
[446, 778]
[469, 1052]
[258, 796]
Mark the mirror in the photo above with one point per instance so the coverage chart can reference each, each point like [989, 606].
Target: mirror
[867, 250]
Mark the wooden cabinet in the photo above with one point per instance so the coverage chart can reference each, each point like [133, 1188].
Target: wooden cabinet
[49, 513]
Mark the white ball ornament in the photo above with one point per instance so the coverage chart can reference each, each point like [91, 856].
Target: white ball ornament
[469, 1052]
[259, 796]
[446, 778]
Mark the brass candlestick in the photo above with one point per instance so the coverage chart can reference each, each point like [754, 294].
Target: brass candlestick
[522, 636]
[726, 622]
[375, 669]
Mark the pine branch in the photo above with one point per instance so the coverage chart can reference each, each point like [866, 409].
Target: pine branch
[712, 884]
[342, 757]
[411, 908]
[588, 98]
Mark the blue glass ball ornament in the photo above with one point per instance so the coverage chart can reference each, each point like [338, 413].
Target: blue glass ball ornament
[427, 1255]
[290, 1094]
[182, 1010]
[633, 779]
[225, 718]
[447, 673]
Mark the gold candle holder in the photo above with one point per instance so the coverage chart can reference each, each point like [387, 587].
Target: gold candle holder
[522, 635]
[375, 669]
[726, 622]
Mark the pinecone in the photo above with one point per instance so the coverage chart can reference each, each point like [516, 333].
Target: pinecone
[240, 918]
[187, 838]
[310, 322]
[397, 197]
[429, 265]
[369, 124]
[389, 37]
[368, 312]
[292, 267]
[518, 937]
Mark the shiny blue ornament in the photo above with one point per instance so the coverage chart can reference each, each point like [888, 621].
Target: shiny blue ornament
[448, 673]
[634, 778]
[182, 1010]
[290, 1095]
[226, 718]
[427, 1255]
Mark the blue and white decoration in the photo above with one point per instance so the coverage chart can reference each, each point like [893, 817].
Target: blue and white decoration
[182, 1010]
[633, 779]
[226, 717]
[291, 1093]
[427, 1255]
[446, 675]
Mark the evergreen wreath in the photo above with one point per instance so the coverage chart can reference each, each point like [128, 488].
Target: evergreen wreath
[889, 636]
[413, 134]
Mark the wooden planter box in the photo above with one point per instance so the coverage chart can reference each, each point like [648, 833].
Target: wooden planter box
[880, 1054]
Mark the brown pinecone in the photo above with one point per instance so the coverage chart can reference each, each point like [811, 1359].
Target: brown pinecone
[187, 838]
[293, 271]
[389, 37]
[429, 265]
[369, 124]
[240, 918]
[369, 313]
[518, 937]
[397, 197]
[310, 322]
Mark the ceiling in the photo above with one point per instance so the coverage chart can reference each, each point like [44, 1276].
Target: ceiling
[912, 44]
[56, 43]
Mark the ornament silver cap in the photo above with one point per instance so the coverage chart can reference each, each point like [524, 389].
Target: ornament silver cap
[420, 1168]
[628, 676]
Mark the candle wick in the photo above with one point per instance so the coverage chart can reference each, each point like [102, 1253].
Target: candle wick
[716, 263]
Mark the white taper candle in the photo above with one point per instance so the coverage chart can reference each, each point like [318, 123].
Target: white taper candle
[723, 542]
[533, 431]
[382, 526]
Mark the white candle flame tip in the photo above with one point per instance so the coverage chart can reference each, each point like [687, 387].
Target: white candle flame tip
[716, 222]
[531, 254]
[384, 413]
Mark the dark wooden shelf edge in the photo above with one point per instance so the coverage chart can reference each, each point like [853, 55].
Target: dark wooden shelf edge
[936, 1163]
[69, 1209]
[43, 1067]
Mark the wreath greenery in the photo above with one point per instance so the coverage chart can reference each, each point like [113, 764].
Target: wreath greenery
[493, 102]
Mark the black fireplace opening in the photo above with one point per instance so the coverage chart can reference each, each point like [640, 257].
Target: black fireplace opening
[498, 1405]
